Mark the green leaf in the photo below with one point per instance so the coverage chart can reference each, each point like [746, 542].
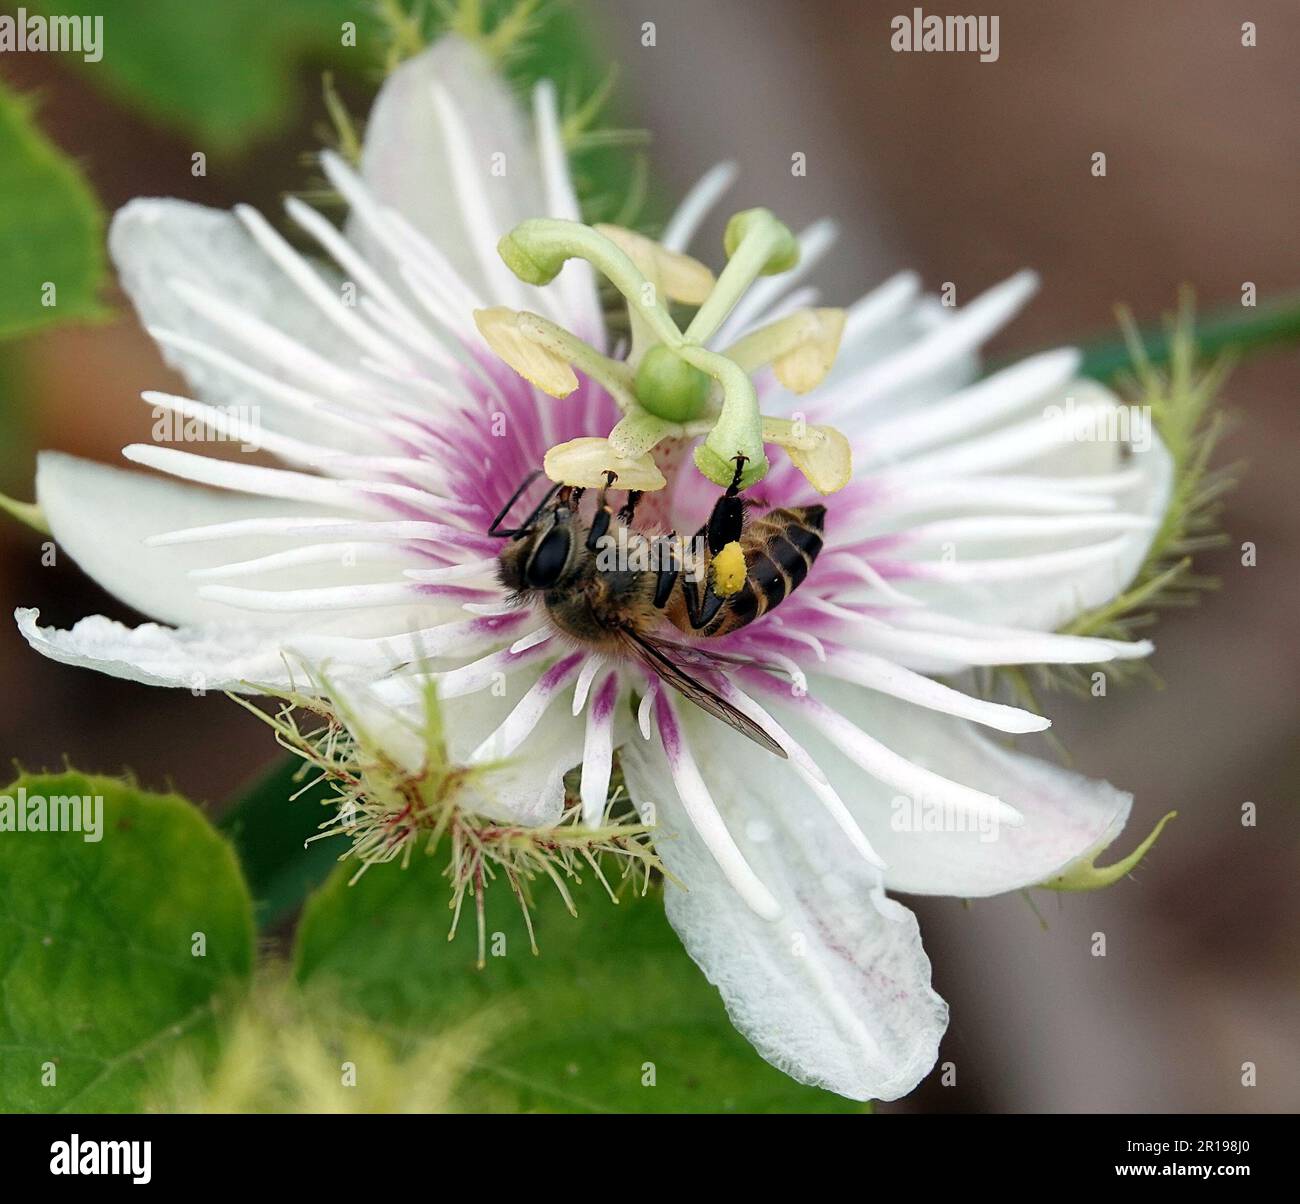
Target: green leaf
[223, 72]
[612, 990]
[97, 967]
[270, 826]
[51, 228]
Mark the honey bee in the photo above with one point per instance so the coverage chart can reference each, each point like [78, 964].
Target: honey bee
[746, 567]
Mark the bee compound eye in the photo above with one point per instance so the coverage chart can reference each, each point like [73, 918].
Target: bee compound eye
[548, 560]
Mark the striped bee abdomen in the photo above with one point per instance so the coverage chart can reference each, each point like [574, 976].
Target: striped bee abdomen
[780, 547]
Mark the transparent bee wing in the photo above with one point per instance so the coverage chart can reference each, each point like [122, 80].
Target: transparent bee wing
[668, 670]
[706, 657]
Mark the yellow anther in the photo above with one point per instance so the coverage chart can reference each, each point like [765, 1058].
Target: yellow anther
[801, 347]
[587, 462]
[805, 367]
[821, 453]
[679, 277]
[518, 339]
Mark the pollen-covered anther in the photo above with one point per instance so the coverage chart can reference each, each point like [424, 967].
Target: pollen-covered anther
[518, 338]
[677, 276]
[546, 355]
[800, 347]
[805, 367]
[587, 462]
[821, 453]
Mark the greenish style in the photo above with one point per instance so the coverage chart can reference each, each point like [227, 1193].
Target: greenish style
[100, 969]
[613, 1000]
[51, 228]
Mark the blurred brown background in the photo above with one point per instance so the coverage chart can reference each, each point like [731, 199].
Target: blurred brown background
[965, 171]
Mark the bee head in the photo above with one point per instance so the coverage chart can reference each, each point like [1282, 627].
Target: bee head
[540, 557]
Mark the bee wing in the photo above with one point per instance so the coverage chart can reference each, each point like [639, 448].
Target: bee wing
[704, 698]
[697, 655]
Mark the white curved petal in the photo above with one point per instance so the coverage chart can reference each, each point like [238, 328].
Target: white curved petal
[1064, 571]
[410, 164]
[598, 748]
[101, 516]
[196, 658]
[528, 788]
[937, 358]
[185, 266]
[243, 657]
[696, 205]
[876, 324]
[998, 396]
[576, 283]
[836, 992]
[932, 849]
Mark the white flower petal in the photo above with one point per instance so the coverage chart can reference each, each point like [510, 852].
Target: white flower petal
[576, 283]
[410, 163]
[836, 992]
[240, 657]
[101, 516]
[212, 657]
[598, 750]
[185, 266]
[1063, 815]
[997, 396]
[696, 205]
[1043, 581]
[905, 378]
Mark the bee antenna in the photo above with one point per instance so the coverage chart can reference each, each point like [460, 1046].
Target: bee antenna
[496, 531]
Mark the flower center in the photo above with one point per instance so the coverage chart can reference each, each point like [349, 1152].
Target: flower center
[672, 385]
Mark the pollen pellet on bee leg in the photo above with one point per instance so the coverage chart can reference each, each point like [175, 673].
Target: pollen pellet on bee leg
[729, 570]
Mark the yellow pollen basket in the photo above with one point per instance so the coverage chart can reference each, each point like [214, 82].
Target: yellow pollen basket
[729, 570]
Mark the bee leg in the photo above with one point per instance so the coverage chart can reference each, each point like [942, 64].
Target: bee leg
[734, 487]
[700, 612]
[604, 515]
[665, 547]
[727, 522]
[628, 511]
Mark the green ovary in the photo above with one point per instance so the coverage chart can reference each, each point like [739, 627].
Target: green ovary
[670, 388]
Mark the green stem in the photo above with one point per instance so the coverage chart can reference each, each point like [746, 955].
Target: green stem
[1232, 329]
